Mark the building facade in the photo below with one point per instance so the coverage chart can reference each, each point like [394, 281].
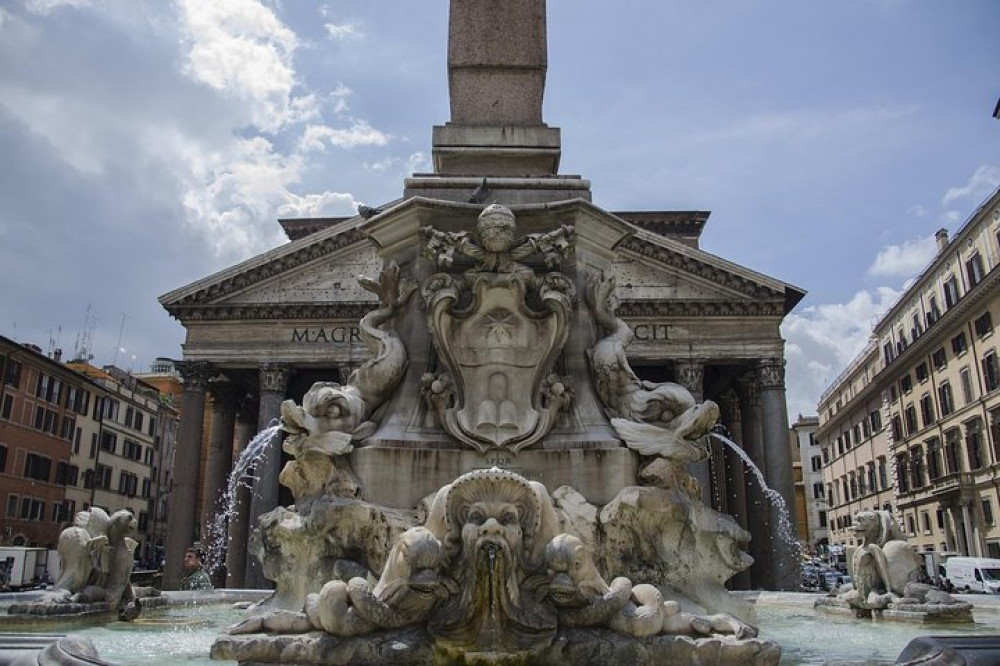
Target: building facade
[73, 436]
[913, 425]
[810, 492]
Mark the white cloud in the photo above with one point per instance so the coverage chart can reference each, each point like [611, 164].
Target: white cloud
[315, 137]
[344, 31]
[327, 204]
[44, 7]
[418, 162]
[240, 48]
[980, 185]
[822, 340]
[904, 260]
[339, 98]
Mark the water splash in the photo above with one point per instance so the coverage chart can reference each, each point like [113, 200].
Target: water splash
[241, 477]
[785, 530]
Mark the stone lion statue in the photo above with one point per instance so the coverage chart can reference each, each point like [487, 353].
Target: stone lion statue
[877, 527]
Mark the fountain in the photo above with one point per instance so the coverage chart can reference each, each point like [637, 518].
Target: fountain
[889, 581]
[495, 567]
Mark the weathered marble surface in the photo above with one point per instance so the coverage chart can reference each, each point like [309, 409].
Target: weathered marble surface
[414, 647]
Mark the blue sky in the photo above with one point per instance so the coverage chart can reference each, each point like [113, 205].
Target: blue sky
[149, 143]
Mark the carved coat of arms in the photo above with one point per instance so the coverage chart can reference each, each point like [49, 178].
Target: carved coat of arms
[498, 391]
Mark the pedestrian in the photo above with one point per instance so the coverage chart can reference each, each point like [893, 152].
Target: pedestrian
[197, 578]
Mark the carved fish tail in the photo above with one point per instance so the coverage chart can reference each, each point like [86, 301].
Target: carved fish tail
[373, 609]
[644, 615]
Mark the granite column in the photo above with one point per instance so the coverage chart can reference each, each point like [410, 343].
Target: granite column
[758, 522]
[691, 375]
[239, 519]
[785, 563]
[220, 461]
[273, 384]
[736, 494]
[182, 504]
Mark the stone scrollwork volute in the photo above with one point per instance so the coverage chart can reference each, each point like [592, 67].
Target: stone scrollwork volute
[498, 329]
[655, 419]
[334, 416]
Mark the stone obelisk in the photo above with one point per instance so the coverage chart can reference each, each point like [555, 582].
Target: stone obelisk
[497, 60]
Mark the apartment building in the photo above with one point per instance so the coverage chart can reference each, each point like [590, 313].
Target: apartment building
[913, 425]
[45, 419]
[810, 492]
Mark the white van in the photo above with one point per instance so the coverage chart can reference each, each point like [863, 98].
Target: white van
[976, 574]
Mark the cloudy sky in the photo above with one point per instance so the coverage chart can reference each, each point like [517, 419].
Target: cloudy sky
[147, 143]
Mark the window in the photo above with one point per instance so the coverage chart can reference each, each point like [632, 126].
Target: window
[872, 486]
[897, 428]
[3, 458]
[910, 414]
[987, 511]
[906, 384]
[876, 420]
[893, 393]
[12, 502]
[909, 524]
[925, 521]
[887, 353]
[940, 520]
[109, 442]
[933, 312]
[129, 413]
[927, 409]
[968, 394]
[857, 434]
[917, 327]
[917, 467]
[37, 467]
[68, 428]
[8, 406]
[983, 325]
[817, 463]
[822, 518]
[952, 455]
[974, 445]
[866, 429]
[974, 269]
[922, 373]
[137, 421]
[939, 359]
[950, 292]
[883, 474]
[991, 371]
[959, 345]
[903, 473]
[946, 399]
[13, 375]
[934, 458]
[862, 487]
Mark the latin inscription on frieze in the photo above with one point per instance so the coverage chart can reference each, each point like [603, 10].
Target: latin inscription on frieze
[650, 331]
[335, 335]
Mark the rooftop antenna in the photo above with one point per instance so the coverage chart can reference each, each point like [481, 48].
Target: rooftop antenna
[85, 338]
[118, 347]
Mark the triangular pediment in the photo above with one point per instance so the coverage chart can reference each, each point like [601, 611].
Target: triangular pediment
[317, 275]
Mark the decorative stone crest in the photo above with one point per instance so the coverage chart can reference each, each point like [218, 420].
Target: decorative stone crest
[498, 350]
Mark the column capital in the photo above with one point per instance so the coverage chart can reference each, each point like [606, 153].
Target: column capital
[274, 377]
[771, 373]
[748, 389]
[195, 374]
[225, 394]
[691, 375]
